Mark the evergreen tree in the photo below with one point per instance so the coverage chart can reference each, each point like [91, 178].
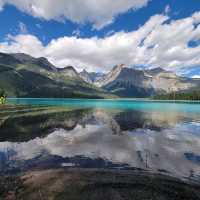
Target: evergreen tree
[191, 96]
[2, 97]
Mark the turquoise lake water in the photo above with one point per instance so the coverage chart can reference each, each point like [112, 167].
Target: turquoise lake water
[157, 136]
[114, 104]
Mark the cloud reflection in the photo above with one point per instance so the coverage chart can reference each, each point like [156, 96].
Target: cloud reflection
[101, 135]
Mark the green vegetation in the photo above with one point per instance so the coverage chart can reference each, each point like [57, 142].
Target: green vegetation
[34, 79]
[191, 96]
[2, 97]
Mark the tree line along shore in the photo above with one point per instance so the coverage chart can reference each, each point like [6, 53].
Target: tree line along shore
[191, 96]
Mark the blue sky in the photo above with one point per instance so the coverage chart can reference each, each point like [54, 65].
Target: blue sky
[131, 20]
[89, 25]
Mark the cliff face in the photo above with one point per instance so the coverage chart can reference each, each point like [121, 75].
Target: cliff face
[90, 77]
[129, 82]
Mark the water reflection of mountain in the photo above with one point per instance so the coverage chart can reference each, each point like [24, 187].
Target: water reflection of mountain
[27, 123]
[164, 151]
[143, 140]
[131, 120]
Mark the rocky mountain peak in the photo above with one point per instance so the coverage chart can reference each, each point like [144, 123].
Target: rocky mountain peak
[69, 71]
[85, 76]
[69, 68]
[90, 77]
[41, 62]
[111, 76]
[121, 80]
[118, 67]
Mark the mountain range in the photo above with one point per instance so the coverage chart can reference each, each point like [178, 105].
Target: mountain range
[22, 75]
[129, 82]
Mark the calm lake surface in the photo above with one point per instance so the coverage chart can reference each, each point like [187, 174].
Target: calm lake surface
[160, 137]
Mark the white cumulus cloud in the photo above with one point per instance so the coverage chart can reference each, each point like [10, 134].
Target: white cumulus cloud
[98, 12]
[158, 43]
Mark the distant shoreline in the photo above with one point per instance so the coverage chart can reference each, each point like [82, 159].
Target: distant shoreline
[112, 99]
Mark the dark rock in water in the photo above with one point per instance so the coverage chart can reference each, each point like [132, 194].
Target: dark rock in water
[96, 184]
[9, 187]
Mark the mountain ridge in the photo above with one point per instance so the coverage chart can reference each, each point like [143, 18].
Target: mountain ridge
[130, 82]
[25, 76]
[22, 75]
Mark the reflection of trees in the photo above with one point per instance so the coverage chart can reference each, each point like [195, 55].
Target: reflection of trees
[26, 126]
[130, 120]
[27, 123]
[92, 134]
[119, 121]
